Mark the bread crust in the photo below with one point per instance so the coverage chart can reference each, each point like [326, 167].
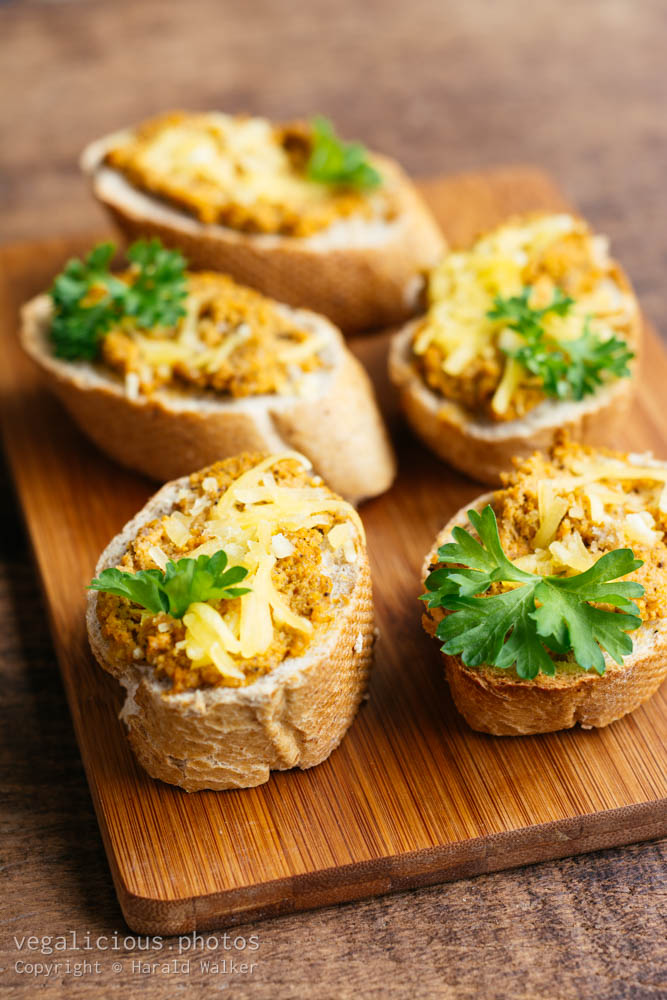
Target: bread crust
[496, 702]
[340, 429]
[219, 738]
[376, 283]
[483, 450]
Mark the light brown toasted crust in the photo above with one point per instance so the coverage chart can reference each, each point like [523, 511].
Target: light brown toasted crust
[484, 450]
[341, 431]
[222, 738]
[357, 287]
[493, 701]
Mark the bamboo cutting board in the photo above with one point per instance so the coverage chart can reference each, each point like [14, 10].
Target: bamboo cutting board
[412, 796]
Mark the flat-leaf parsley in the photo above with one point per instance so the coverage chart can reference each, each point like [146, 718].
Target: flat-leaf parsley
[538, 615]
[88, 299]
[183, 583]
[333, 161]
[568, 369]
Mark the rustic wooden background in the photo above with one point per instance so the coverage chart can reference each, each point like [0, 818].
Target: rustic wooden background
[578, 88]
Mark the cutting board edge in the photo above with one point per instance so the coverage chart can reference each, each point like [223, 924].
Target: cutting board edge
[394, 873]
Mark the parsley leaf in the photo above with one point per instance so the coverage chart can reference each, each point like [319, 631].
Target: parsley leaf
[156, 295]
[183, 583]
[88, 299]
[333, 161]
[543, 613]
[568, 369]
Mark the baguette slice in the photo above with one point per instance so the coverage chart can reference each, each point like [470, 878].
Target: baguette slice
[337, 426]
[359, 273]
[484, 449]
[496, 702]
[233, 737]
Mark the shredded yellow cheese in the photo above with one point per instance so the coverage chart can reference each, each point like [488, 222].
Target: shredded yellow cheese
[463, 288]
[590, 491]
[552, 510]
[248, 521]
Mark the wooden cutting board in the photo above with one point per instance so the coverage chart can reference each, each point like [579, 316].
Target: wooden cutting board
[412, 796]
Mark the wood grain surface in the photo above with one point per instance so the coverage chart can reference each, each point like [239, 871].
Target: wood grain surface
[412, 796]
[442, 86]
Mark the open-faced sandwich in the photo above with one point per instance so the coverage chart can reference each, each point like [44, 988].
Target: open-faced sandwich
[169, 370]
[533, 329]
[550, 606]
[290, 209]
[236, 610]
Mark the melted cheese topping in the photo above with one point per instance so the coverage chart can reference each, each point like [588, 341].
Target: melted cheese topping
[557, 516]
[232, 341]
[458, 347]
[238, 171]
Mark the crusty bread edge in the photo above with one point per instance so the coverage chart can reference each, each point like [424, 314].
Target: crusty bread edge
[358, 287]
[496, 702]
[219, 738]
[484, 450]
[339, 429]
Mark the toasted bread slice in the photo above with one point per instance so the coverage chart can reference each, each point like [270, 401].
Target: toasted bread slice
[336, 424]
[483, 449]
[223, 737]
[499, 702]
[361, 273]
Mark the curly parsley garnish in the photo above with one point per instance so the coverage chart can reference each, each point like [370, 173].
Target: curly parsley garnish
[541, 614]
[183, 583]
[88, 299]
[333, 161]
[568, 369]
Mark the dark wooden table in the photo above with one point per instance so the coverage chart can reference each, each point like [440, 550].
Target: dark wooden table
[579, 89]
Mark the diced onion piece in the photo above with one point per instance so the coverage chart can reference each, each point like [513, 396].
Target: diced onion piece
[640, 527]
[572, 553]
[338, 535]
[596, 504]
[281, 546]
[539, 562]
[159, 557]
[177, 528]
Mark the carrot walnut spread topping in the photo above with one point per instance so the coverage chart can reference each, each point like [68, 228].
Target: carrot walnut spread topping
[249, 175]
[560, 514]
[244, 572]
[157, 325]
[542, 589]
[535, 309]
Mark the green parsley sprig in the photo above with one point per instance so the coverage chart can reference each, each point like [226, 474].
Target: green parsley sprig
[567, 369]
[183, 583]
[541, 614]
[333, 161]
[88, 299]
